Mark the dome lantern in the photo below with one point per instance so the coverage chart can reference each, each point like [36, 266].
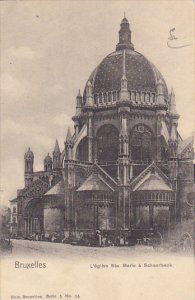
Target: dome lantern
[124, 36]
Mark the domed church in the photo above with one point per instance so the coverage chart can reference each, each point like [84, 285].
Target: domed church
[124, 168]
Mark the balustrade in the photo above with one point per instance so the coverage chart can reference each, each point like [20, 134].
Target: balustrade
[136, 98]
[156, 196]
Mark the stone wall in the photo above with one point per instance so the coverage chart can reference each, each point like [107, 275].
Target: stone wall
[53, 220]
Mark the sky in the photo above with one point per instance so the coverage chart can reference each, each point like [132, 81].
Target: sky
[50, 48]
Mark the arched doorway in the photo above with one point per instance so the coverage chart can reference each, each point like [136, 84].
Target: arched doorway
[33, 217]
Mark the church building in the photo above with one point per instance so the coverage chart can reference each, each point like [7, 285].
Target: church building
[125, 167]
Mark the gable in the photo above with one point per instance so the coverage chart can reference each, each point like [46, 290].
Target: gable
[95, 182]
[185, 148]
[104, 175]
[152, 182]
[151, 177]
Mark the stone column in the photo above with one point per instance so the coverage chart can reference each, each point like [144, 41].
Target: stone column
[158, 137]
[151, 212]
[90, 138]
[28, 225]
[123, 165]
[38, 225]
[25, 226]
[172, 215]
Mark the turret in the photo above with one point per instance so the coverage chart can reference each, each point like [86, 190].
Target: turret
[28, 161]
[172, 105]
[76, 117]
[68, 145]
[173, 142]
[160, 93]
[89, 94]
[56, 156]
[78, 103]
[48, 163]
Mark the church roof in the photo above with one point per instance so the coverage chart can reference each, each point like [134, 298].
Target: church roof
[141, 74]
[183, 144]
[153, 183]
[94, 183]
[57, 189]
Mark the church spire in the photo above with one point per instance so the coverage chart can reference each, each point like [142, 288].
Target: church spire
[78, 103]
[172, 106]
[124, 36]
[56, 148]
[68, 136]
[68, 145]
[56, 156]
[79, 99]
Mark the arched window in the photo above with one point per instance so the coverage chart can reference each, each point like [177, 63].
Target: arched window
[141, 144]
[107, 143]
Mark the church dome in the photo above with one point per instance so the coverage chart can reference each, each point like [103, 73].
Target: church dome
[141, 74]
[29, 154]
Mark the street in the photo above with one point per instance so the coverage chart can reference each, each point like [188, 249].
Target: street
[26, 248]
[39, 248]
